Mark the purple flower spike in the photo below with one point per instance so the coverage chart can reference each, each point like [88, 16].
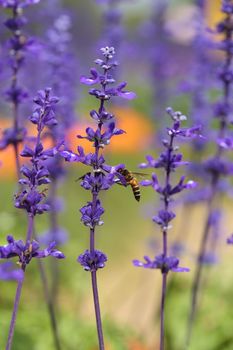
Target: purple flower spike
[92, 261]
[37, 174]
[168, 161]
[165, 264]
[25, 252]
[100, 176]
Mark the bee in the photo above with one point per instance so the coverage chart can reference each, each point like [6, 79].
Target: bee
[131, 179]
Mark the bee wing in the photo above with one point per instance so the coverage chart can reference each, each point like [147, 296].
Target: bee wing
[140, 175]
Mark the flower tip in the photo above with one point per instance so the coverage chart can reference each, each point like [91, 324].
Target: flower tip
[137, 263]
[83, 79]
[191, 184]
[169, 110]
[59, 255]
[130, 95]
[10, 239]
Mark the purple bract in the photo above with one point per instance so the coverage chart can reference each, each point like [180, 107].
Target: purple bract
[30, 198]
[92, 261]
[26, 251]
[165, 264]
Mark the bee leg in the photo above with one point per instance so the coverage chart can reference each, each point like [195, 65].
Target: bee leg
[82, 177]
[118, 182]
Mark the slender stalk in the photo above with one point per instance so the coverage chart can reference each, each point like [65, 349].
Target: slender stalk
[95, 289]
[93, 273]
[164, 273]
[92, 240]
[30, 227]
[164, 285]
[97, 310]
[19, 289]
[54, 229]
[14, 314]
[164, 289]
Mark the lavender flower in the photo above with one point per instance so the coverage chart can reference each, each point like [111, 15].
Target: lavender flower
[217, 167]
[31, 198]
[90, 218]
[92, 261]
[168, 161]
[60, 68]
[17, 45]
[165, 264]
[25, 252]
[102, 176]
[37, 174]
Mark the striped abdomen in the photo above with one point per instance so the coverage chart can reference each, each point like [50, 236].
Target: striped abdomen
[135, 188]
[132, 181]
